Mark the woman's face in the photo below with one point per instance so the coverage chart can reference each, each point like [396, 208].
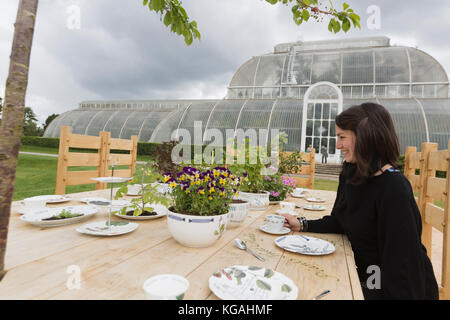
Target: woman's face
[346, 143]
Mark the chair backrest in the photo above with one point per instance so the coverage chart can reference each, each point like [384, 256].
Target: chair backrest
[307, 170]
[101, 159]
[431, 188]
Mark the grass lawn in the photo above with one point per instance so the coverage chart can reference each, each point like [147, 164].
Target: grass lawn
[36, 175]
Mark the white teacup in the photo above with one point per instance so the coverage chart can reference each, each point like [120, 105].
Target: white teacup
[298, 191]
[274, 222]
[166, 287]
[34, 204]
[287, 206]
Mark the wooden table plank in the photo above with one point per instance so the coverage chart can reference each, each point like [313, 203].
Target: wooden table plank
[115, 267]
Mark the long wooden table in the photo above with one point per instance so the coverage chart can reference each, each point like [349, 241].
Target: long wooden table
[41, 263]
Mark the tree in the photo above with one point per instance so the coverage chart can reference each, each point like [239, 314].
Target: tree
[49, 119]
[172, 13]
[30, 125]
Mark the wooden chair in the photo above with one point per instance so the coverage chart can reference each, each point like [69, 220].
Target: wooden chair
[305, 178]
[431, 188]
[101, 159]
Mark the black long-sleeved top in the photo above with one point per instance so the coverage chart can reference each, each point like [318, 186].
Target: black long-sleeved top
[383, 223]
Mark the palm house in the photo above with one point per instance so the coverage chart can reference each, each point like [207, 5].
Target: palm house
[299, 88]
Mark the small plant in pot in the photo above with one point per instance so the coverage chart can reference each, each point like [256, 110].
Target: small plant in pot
[201, 202]
[252, 188]
[149, 201]
[278, 185]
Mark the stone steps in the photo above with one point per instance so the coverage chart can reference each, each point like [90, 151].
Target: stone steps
[328, 169]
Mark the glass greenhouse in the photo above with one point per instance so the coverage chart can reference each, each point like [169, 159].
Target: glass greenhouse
[298, 89]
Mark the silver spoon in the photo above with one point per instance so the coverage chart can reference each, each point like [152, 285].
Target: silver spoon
[241, 245]
[321, 295]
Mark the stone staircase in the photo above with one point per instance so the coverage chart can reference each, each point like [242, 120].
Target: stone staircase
[328, 169]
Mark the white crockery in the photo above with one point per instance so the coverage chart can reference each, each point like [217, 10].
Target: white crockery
[275, 222]
[165, 287]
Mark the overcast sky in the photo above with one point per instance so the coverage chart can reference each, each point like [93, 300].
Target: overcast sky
[121, 50]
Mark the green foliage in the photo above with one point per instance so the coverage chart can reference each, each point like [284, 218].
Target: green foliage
[49, 119]
[163, 158]
[290, 163]
[303, 10]
[148, 195]
[30, 125]
[175, 17]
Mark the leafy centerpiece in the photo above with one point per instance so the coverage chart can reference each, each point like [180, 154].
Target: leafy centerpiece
[148, 196]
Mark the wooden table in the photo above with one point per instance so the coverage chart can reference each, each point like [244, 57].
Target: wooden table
[42, 263]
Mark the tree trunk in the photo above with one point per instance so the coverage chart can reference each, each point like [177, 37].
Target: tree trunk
[13, 112]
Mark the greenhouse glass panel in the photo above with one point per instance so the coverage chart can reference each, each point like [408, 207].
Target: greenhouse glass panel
[198, 111]
[357, 67]
[53, 130]
[408, 121]
[79, 127]
[429, 91]
[308, 143]
[71, 118]
[310, 113]
[356, 91]
[347, 92]
[269, 70]
[225, 115]
[255, 114]
[333, 110]
[332, 129]
[245, 75]
[116, 123]
[332, 147]
[159, 126]
[317, 128]
[302, 68]
[287, 117]
[326, 67]
[317, 111]
[98, 123]
[425, 68]
[326, 111]
[316, 144]
[391, 65]
[309, 127]
[437, 112]
[133, 124]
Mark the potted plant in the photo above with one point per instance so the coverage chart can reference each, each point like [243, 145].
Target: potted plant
[149, 199]
[278, 186]
[201, 202]
[252, 187]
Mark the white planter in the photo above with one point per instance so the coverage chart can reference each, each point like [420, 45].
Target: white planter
[257, 201]
[237, 214]
[196, 231]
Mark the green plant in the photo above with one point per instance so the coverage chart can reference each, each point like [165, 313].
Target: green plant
[290, 163]
[148, 194]
[202, 192]
[163, 158]
[278, 185]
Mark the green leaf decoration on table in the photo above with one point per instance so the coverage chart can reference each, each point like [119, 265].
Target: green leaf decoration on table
[216, 233]
[263, 285]
[253, 268]
[217, 274]
[180, 297]
[116, 223]
[268, 273]
[286, 288]
[239, 275]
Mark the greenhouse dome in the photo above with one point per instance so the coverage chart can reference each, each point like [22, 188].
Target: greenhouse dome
[298, 89]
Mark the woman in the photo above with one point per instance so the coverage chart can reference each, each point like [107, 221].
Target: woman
[375, 208]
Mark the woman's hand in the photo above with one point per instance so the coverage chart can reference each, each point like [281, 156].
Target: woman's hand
[291, 222]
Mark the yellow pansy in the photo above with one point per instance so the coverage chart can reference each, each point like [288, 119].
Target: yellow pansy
[173, 184]
[210, 198]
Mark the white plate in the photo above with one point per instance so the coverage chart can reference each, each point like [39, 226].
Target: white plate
[51, 198]
[252, 283]
[159, 209]
[314, 207]
[36, 217]
[315, 199]
[111, 179]
[86, 200]
[284, 230]
[100, 228]
[305, 245]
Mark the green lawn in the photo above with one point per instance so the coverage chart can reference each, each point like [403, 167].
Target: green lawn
[36, 175]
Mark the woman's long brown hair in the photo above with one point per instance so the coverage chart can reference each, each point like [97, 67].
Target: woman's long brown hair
[376, 141]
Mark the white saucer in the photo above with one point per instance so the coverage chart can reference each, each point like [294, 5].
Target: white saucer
[281, 211]
[315, 199]
[284, 230]
[297, 195]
